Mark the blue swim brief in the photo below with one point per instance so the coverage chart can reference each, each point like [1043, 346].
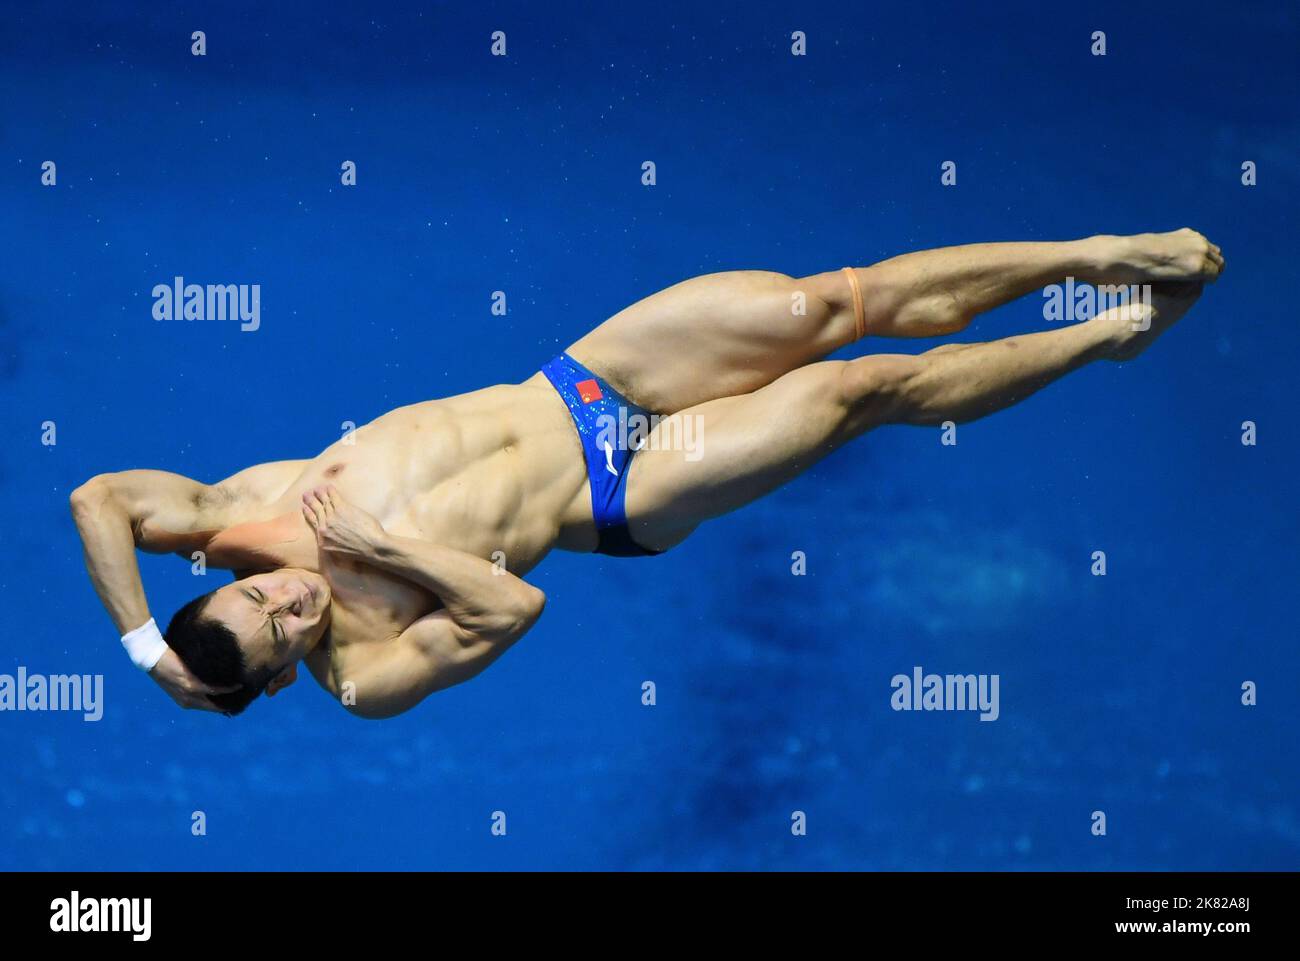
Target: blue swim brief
[595, 407]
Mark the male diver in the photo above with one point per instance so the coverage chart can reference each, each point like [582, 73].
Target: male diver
[392, 562]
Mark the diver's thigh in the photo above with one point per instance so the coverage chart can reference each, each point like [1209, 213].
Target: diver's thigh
[710, 337]
[718, 456]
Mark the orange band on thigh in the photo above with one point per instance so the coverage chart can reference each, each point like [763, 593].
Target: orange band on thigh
[859, 312]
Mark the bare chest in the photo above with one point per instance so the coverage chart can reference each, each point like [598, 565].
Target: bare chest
[493, 486]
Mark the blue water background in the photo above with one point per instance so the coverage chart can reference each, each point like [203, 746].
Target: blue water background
[1118, 693]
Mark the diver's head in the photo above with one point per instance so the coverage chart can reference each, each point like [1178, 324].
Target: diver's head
[252, 633]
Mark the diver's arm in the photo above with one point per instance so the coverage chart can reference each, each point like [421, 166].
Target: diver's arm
[482, 600]
[485, 610]
[152, 510]
[382, 680]
[159, 512]
[115, 514]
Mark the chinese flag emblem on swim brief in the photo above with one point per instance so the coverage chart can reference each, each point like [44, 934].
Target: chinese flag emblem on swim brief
[588, 390]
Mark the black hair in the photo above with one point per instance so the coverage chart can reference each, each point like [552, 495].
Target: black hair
[211, 651]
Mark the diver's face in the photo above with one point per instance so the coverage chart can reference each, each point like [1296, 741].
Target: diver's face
[278, 617]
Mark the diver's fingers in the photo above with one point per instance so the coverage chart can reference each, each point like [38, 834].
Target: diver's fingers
[321, 502]
[313, 500]
[311, 522]
[314, 513]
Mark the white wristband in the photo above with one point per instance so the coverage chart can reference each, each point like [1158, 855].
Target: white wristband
[145, 645]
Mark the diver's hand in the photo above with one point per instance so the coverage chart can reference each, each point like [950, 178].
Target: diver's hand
[341, 527]
[182, 686]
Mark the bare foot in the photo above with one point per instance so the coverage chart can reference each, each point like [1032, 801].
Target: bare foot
[1178, 255]
[1132, 328]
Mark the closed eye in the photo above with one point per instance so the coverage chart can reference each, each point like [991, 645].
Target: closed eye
[278, 638]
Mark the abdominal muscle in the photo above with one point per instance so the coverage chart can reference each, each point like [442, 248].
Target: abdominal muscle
[497, 473]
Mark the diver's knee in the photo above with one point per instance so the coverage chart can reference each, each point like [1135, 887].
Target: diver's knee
[873, 390]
